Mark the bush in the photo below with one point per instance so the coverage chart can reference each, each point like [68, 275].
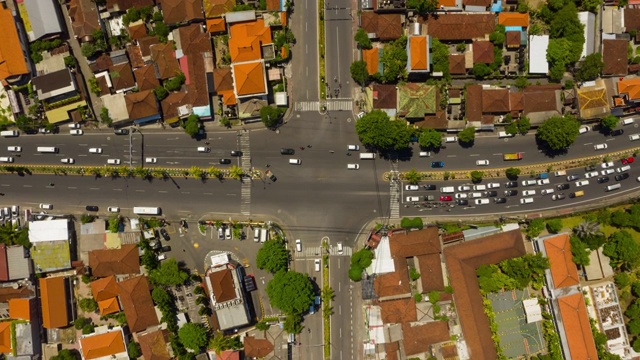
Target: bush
[80, 322]
[415, 223]
[88, 329]
[622, 280]
[554, 226]
[476, 176]
[88, 305]
[86, 218]
[414, 274]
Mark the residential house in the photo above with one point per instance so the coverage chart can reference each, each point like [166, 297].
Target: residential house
[227, 296]
[137, 30]
[144, 45]
[55, 86]
[250, 79]
[630, 88]
[418, 54]
[538, 45]
[614, 56]
[164, 60]
[257, 348]
[372, 58]
[146, 77]
[41, 18]
[84, 19]
[247, 39]
[459, 26]
[223, 86]
[541, 102]
[632, 20]
[483, 52]
[105, 292]
[120, 6]
[385, 98]
[217, 25]
[476, 5]
[125, 260]
[513, 19]
[416, 100]
[104, 345]
[142, 107]
[5, 337]
[384, 27]
[15, 264]
[588, 21]
[26, 328]
[457, 64]
[563, 270]
[122, 78]
[217, 8]
[14, 66]
[116, 104]
[592, 100]
[181, 11]
[135, 298]
[155, 345]
[55, 302]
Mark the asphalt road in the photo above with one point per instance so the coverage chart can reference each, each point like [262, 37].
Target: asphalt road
[304, 24]
[344, 307]
[339, 44]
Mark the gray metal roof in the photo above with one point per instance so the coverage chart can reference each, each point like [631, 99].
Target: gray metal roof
[43, 18]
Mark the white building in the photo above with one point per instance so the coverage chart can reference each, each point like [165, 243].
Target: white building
[538, 45]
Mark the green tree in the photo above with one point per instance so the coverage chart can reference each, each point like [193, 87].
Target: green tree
[579, 251]
[635, 288]
[554, 226]
[440, 58]
[273, 256]
[636, 345]
[422, 7]
[66, 354]
[291, 292]
[394, 60]
[162, 298]
[623, 250]
[622, 280]
[94, 87]
[192, 126]
[481, 71]
[270, 116]
[293, 324]
[161, 92]
[476, 176]
[468, 135]
[609, 122]
[558, 133]
[587, 229]
[80, 322]
[377, 130]
[534, 228]
[70, 62]
[359, 72]
[412, 176]
[524, 124]
[193, 336]
[362, 258]
[105, 117]
[133, 349]
[362, 38]
[634, 327]
[590, 68]
[355, 273]
[196, 172]
[169, 273]
[521, 82]
[88, 49]
[512, 173]
[235, 172]
[220, 343]
[430, 139]
[511, 128]
[592, 5]
[497, 37]
[88, 305]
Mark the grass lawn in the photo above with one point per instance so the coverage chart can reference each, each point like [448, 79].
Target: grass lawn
[573, 221]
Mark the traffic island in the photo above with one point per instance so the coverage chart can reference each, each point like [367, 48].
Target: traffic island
[327, 297]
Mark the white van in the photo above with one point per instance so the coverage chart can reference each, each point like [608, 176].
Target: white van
[547, 191]
[353, 166]
[317, 264]
[623, 169]
[367, 156]
[353, 147]
[227, 233]
[340, 249]
[151, 160]
[628, 122]
[425, 153]
[263, 235]
[204, 149]
[74, 126]
[504, 134]
[47, 149]
[447, 189]
[560, 173]
[256, 234]
[451, 139]
[612, 187]
[298, 245]
[14, 148]
[6, 159]
[113, 161]
[295, 161]
[634, 137]
[479, 187]
[67, 161]
[526, 201]
[9, 133]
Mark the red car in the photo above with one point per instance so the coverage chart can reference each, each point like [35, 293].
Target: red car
[446, 198]
[628, 160]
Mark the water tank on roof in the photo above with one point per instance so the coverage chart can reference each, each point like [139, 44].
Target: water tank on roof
[415, 28]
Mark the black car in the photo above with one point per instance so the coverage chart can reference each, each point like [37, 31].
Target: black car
[617, 132]
[429, 187]
[563, 186]
[621, 177]
[165, 234]
[166, 248]
[589, 168]
[287, 151]
[95, 208]
[184, 224]
[225, 161]
[462, 202]
[236, 153]
[510, 192]
[273, 178]
[121, 131]
[511, 184]
[602, 180]
[500, 200]
[491, 193]
[437, 164]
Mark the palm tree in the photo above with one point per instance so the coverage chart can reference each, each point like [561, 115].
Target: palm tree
[412, 176]
[587, 229]
[214, 172]
[196, 172]
[236, 172]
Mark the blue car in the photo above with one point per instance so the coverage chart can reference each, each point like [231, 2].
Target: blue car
[437, 164]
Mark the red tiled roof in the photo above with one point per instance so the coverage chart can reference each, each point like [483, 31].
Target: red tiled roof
[419, 53]
[631, 87]
[516, 101]
[513, 19]
[102, 345]
[473, 99]
[124, 5]
[419, 338]
[563, 270]
[395, 283]
[145, 44]
[137, 30]
[146, 78]
[135, 297]
[392, 349]
[385, 96]
[386, 26]
[405, 243]
[107, 262]
[223, 85]
[121, 77]
[214, 8]
[541, 98]
[495, 100]
[577, 328]
[614, 56]
[12, 61]
[430, 268]
[164, 57]
[135, 56]
[196, 47]
[632, 18]
[462, 261]
[273, 5]
[483, 52]
[257, 348]
[483, 3]
[109, 306]
[140, 105]
[179, 11]
[154, 345]
[370, 56]
[457, 64]
[53, 298]
[246, 39]
[229, 355]
[102, 63]
[513, 39]
[84, 17]
[172, 103]
[4, 265]
[465, 26]
[399, 310]
[222, 285]
[249, 78]
[216, 25]
[105, 288]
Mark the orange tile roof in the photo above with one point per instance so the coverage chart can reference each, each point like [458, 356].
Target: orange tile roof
[245, 39]
[138, 30]
[249, 78]
[213, 8]
[399, 310]
[53, 297]
[108, 306]
[370, 56]
[5, 337]
[447, 3]
[154, 345]
[106, 344]
[563, 269]
[164, 57]
[631, 87]
[223, 85]
[419, 53]
[577, 328]
[216, 25]
[257, 347]
[513, 19]
[137, 304]
[283, 18]
[20, 308]
[105, 288]
[12, 61]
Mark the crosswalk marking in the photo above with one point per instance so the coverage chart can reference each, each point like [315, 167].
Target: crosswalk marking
[332, 105]
[395, 192]
[245, 191]
[314, 252]
[307, 106]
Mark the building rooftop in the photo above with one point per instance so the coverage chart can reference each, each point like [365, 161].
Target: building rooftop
[385, 96]
[513, 19]
[483, 52]
[249, 78]
[386, 27]
[419, 53]
[257, 348]
[135, 297]
[146, 78]
[142, 105]
[246, 39]
[630, 87]
[21, 308]
[563, 269]
[122, 77]
[457, 64]
[154, 345]
[459, 26]
[164, 58]
[105, 345]
[371, 57]
[216, 25]
[214, 8]
[577, 327]
[84, 17]
[416, 100]
[614, 56]
[399, 310]
[54, 302]
[419, 338]
[121, 261]
[180, 11]
[43, 19]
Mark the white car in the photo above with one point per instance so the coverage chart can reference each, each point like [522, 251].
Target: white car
[14, 148]
[74, 126]
[95, 150]
[46, 206]
[543, 182]
[482, 162]
[411, 187]
[524, 201]
[591, 174]
[582, 183]
[162, 256]
[113, 209]
[151, 160]
[479, 187]
[464, 188]
[528, 192]
[68, 161]
[606, 172]
[584, 129]
[76, 132]
[634, 137]
[547, 191]
[474, 195]
[298, 245]
[482, 201]
[606, 165]
[529, 182]
[638, 179]
[600, 146]
[413, 198]
[493, 185]
[461, 196]
[113, 161]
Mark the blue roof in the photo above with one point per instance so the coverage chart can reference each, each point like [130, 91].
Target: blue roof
[496, 7]
[513, 28]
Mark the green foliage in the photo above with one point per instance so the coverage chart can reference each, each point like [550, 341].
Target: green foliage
[105, 118]
[133, 349]
[579, 251]
[11, 235]
[554, 226]
[440, 57]
[394, 60]
[355, 273]
[408, 223]
[359, 72]
[521, 82]
[377, 130]
[430, 139]
[515, 273]
[192, 125]
[270, 116]
[193, 336]
[88, 305]
[497, 37]
[635, 288]
[362, 39]
[80, 322]
[114, 223]
[86, 218]
[161, 92]
[481, 71]
[262, 325]
[558, 133]
[39, 46]
[88, 329]
[622, 280]
[169, 273]
[422, 7]
[65, 354]
[161, 30]
[291, 292]
[590, 68]
[623, 250]
[412, 176]
[467, 136]
[293, 324]
[434, 297]
[534, 228]
[360, 260]
[476, 176]
[609, 122]
[512, 173]
[88, 49]
[461, 47]
[220, 343]
[176, 82]
[94, 87]
[70, 62]
[273, 256]
[414, 274]
[511, 128]
[524, 125]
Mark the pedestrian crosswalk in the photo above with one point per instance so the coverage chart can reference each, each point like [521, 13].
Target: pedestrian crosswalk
[307, 106]
[245, 191]
[331, 105]
[340, 105]
[316, 251]
[394, 192]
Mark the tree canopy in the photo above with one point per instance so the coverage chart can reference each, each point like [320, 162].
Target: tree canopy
[422, 7]
[394, 60]
[291, 292]
[270, 116]
[65, 354]
[273, 256]
[169, 273]
[377, 130]
[481, 71]
[623, 250]
[360, 260]
[590, 67]
[468, 135]
[193, 336]
[430, 139]
[534, 228]
[440, 57]
[558, 133]
[220, 343]
[579, 251]
[362, 38]
[359, 72]
[609, 122]
[192, 125]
